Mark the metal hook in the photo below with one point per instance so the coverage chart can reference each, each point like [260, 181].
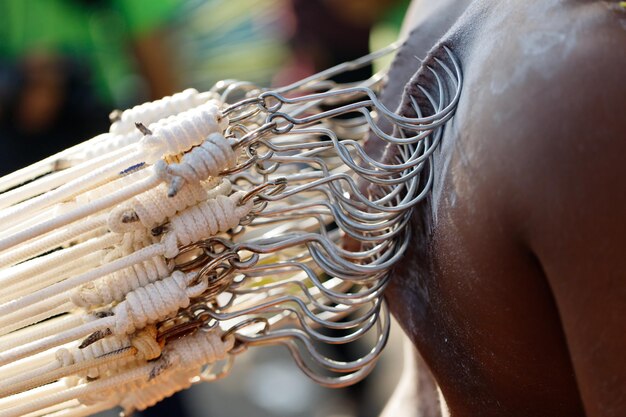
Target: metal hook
[275, 187]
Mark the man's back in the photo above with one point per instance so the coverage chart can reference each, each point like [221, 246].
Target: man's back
[514, 287]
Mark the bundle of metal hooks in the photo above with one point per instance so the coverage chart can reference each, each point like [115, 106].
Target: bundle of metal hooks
[146, 259]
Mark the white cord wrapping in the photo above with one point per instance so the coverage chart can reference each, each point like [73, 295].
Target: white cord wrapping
[115, 286]
[154, 207]
[146, 305]
[157, 390]
[196, 223]
[199, 349]
[213, 156]
[130, 243]
[105, 357]
[156, 301]
[103, 236]
[144, 341]
[66, 357]
[155, 110]
[189, 130]
[180, 362]
[150, 211]
[123, 132]
[206, 219]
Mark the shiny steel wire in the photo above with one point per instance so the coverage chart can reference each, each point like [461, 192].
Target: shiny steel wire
[291, 277]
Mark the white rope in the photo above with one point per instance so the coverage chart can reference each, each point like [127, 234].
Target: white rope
[28, 334]
[195, 223]
[64, 393]
[91, 281]
[187, 130]
[50, 241]
[156, 301]
[114, 287]
[80, 410]
[122, 133]
[57, 179]
[101, 358]
[153, 111]
[79, 213]
[41, 264]
[40, 345]
[213, 156]
[145, 305]
[164, 386]
[206, 219]
[188, 353]
[27, 396]
[71, 188]
[55, 408]
[173, 372]
[53, 275]
[153, 207]
[47, 308]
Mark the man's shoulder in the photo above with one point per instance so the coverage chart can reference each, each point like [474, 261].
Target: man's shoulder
[545, 102]
[557, 60]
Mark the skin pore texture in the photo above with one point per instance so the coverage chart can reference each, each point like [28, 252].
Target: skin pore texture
[514, 286]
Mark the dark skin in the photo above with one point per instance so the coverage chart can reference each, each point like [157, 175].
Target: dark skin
[514, 289]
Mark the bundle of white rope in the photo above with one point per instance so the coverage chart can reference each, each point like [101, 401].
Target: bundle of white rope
[85, 277]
